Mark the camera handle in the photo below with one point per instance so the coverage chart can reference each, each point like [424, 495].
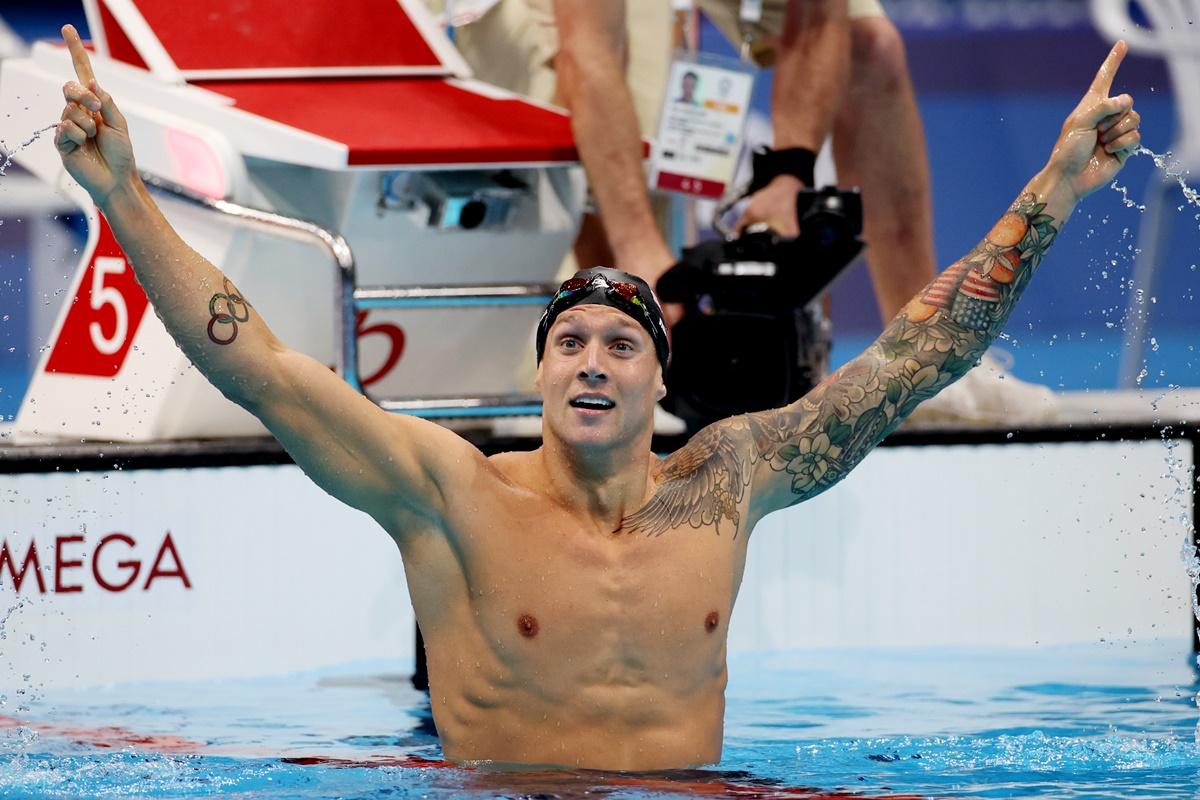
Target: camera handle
[724, 206]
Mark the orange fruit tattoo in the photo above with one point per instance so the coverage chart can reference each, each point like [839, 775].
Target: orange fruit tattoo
[1004, 268]
[1009, 231]
[916, 311]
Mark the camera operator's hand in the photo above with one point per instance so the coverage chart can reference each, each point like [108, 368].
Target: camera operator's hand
[775, 205]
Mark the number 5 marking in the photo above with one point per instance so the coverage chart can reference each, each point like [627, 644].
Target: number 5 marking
[102, 296]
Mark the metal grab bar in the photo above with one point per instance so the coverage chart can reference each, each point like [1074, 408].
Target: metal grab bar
[500, 406]
[354, 299]
[453, 296]
[336, 244]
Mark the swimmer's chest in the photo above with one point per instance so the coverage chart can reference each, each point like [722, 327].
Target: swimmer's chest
[545, 588]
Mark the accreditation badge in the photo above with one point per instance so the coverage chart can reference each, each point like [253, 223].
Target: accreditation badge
[700, 126]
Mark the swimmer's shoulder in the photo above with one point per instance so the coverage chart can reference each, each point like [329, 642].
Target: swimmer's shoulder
[518, 470]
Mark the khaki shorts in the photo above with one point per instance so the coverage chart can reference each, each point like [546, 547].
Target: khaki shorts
[724, 14]
[513, 45]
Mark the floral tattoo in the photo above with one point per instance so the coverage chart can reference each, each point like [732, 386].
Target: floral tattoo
[813, 443]
[226, 309]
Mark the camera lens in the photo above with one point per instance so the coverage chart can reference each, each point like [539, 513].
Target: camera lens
[827, 228]
[472, 214]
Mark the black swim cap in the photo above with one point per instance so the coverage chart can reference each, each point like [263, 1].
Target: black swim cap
[606, 286]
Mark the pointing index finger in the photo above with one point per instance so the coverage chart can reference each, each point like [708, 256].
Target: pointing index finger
[1108, 70]
[79, 56]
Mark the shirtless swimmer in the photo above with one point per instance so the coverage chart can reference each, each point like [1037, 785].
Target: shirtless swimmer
[575, 599]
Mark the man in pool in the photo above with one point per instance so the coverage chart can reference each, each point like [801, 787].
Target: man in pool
[575, 599]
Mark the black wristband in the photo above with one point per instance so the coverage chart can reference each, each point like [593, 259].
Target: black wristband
[769, 164]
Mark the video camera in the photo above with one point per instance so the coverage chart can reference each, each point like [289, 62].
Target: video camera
[750, 338]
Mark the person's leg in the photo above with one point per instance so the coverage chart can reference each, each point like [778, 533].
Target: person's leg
[811, 72]
[879, 146]
[812, 68]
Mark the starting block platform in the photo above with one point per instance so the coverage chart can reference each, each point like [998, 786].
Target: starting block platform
[387, 213]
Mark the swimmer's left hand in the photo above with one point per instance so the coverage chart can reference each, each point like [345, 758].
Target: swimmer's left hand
[1100, 134]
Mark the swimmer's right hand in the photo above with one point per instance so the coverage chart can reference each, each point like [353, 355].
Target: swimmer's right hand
[93, 137]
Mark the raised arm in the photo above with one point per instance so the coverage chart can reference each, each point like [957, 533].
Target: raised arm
[788, 455]
[382, 464]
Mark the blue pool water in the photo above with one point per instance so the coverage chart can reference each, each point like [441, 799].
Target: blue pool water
[1094, 721]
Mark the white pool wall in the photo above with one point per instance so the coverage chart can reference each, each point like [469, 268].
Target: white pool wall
[1016, 545]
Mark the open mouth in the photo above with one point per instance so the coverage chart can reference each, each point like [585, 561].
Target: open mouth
[592, 403]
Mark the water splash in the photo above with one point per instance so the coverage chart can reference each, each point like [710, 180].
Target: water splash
[16, 741]
[1170, 167]
[1178, 470]
[1125, 196]
[9, 154]
[7, 613]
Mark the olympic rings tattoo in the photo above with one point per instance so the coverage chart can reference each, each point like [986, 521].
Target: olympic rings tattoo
[236, 310]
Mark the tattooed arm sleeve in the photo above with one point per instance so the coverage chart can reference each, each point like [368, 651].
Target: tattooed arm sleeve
[801, 450]
[745, 467]
[787, 455]
[806, 447]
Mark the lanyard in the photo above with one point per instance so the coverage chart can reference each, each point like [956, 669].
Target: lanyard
[749, 15]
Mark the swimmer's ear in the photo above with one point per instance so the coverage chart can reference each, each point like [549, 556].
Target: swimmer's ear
[661, 391]
[537, 379]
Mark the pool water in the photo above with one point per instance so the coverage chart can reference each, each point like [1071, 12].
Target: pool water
[1104, 720]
